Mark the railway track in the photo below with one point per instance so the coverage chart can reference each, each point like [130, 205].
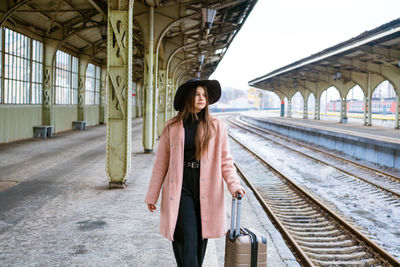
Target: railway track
[316, 234]
[382, 184]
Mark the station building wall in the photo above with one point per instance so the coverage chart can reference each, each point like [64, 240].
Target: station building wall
[16, 121]
[92, 115]
[21, 88]
[63, 117]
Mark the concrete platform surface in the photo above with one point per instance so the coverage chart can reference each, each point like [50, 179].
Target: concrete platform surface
[56, 208]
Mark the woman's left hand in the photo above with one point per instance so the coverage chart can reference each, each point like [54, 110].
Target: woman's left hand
[240, 191]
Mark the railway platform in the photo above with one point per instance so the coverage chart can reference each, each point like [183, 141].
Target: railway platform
[56, 208]
[371, 144]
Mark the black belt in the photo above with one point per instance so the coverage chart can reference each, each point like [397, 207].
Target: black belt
[191, 164]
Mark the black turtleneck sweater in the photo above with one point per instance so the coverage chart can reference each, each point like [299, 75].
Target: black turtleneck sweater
[190, 126]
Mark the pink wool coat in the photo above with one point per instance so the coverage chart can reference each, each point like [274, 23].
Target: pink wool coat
[216, 165]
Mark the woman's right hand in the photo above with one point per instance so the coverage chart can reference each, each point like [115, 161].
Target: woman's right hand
[151, 207]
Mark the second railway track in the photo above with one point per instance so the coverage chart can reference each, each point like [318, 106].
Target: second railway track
[318, 235]
[381, 182]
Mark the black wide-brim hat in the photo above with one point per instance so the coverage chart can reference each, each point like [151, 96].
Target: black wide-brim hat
[213, 91]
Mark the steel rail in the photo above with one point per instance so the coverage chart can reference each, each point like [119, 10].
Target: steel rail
[298, 251]
[360, 236]
[314, 158]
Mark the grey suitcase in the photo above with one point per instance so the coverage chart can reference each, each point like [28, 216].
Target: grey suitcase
[244, 246]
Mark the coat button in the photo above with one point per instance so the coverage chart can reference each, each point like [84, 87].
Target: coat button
[172, 180]
[170, 198]
[202, 197]
[202, 179]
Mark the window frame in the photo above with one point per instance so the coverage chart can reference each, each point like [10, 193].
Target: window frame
[59, 90]
[20, 75]
[95, 80]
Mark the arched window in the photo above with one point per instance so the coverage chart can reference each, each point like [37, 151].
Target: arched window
[66, 79]
[92, 96]
[23, 69]
[311, 103]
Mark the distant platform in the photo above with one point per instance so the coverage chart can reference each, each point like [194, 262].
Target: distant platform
[374, 144]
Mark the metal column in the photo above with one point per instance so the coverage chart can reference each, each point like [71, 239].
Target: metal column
[368, 103]
[102, 96]
[50, 49]
[343, 110]
[169, 100]
[134, 100]
[148, 141]
[305, 109]
[162, 96]
[119, 65]
[83, 63]
[317, 111]
[396, 125]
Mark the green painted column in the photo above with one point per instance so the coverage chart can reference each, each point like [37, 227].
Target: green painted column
[102, 96]
[50, 48]
[139, 103]
[119, 68]
[83, 63]
[148, 140]
[173, 88]
[134, 100]
[317, 111]
[343, 110]
[368, 103]
[168, 100]
[365, 114]
[305, 109]
[161, 103]
[397, 122]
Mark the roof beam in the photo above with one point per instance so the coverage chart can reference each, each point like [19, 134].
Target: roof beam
[47, 10]
[80, 11]
[42, 14]
[54, 17]
[388, 53]
[99, 6]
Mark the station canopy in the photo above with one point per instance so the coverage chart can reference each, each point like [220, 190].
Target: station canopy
[80, 27]
[376, 52]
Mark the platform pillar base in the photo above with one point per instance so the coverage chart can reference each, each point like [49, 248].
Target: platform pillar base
[116, 185]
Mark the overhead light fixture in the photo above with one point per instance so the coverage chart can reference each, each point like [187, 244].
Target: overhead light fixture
[208, 16]
[201, 59]
[337, 76]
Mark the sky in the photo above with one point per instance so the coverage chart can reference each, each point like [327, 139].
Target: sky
[279, 32]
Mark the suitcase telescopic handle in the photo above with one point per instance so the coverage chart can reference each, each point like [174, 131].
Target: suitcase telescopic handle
[235, 216]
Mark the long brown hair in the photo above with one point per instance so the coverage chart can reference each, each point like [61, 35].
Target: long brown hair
[205, 128]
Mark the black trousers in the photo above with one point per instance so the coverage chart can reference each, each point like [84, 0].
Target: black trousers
[189, 247]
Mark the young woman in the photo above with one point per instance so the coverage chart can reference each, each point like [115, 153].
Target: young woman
[192, 161]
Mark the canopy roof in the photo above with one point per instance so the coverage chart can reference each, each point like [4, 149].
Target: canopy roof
[376, 51]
